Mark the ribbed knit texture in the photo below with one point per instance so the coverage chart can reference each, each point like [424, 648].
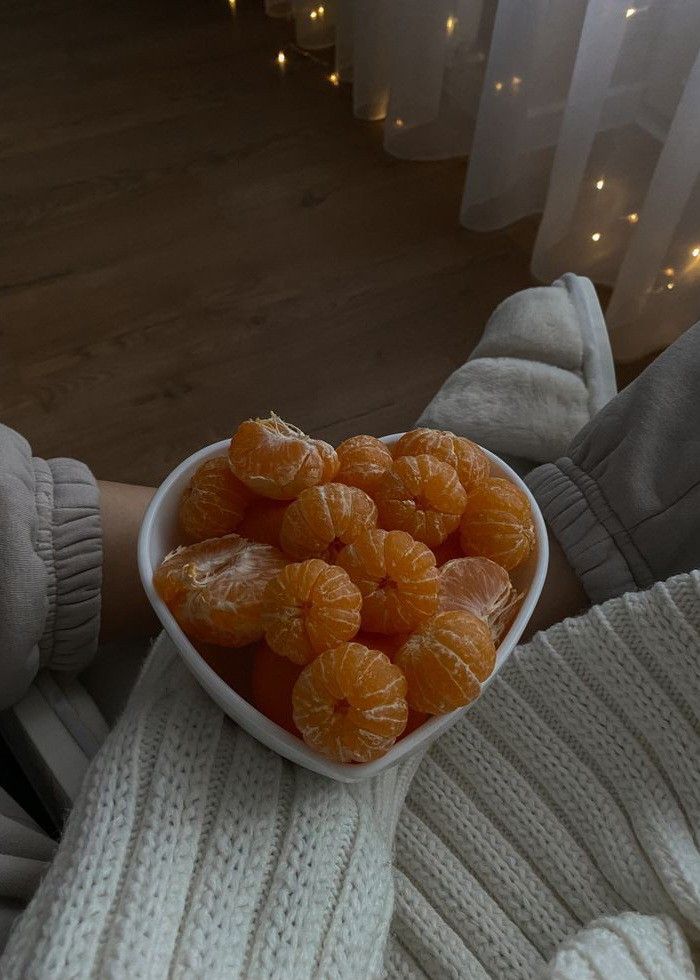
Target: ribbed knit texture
[552, 832]
[570, 791]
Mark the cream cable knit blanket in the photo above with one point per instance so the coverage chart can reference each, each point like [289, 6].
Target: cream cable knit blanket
[553, 832]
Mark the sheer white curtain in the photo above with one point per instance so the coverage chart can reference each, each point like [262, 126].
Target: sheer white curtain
[587, 111]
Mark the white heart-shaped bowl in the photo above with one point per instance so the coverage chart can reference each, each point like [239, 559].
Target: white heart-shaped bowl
[159, 535]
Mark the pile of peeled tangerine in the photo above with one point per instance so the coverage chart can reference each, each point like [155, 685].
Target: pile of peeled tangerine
[348, 593]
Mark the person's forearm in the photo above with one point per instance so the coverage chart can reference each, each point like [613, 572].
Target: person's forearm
[125, 609]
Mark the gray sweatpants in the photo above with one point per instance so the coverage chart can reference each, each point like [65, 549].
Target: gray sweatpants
[624, 502]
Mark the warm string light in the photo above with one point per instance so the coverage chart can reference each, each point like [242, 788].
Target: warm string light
[670, 285]
[498, 86]
[516, 80]
[398, 123]
[633, 218]
[314, 14]
[670, 271]
[695, 252]
[450, 25]
[281, 59]
[630, 12]
[318, 12]
[334, 78]
[595, 237]
[600, 184]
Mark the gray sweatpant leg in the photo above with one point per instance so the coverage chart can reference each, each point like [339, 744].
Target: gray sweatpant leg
[624, 502]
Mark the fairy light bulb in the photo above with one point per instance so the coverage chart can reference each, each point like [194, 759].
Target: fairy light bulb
[695, 252]
[600, 184]
[595, 237]
[670, 271]
[334, 78]
[670, 285]
[399, 123]
[498, 86]
[281, 58]
[630, 12]
[450, 25]
[321, 11]
[313, 15]
[633, 218]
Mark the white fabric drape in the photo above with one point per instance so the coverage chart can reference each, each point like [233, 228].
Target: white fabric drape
[587, 111]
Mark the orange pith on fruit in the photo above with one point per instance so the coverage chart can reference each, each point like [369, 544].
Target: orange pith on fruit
[262, 521]
[310, 607]
[214, 589]
[324, 519]
[470, 461]
[481, 587]
[272, 681]
[214, 502]
[350, 703]
[497, 524]
[423, 496]
[397, 578]
[446, 661]
[363, 460]
[277, 460]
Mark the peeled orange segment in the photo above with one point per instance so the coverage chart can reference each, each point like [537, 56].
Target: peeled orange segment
[262, 521]
[277, 460]
[214, 589]
[446, 661]
[273, 679]
[324, 519]
[310, 607]
[397, 578]
[481, 587]
[423, 496]
[470, 461]
[497, 524]
[363, 460]
[214, 502]
[350, 703]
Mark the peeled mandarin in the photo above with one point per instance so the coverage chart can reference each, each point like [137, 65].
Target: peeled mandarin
[481, 587]
[310, 607]
[322, 520]
[277, 460]
[214, 588]
[397, 578]
[350, 703]
[214, 502]
[363, 460]
[446, 661]
[497, 524]
[468, 459]
[423, 496]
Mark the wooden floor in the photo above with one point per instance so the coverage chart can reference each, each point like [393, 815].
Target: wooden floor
[191, 236]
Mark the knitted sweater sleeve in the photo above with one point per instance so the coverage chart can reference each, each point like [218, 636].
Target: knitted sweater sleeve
[567, 797]
[50, 565]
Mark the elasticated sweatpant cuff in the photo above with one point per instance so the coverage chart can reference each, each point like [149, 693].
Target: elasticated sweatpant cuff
[70, 544]
[595, 543]
[50, 565]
